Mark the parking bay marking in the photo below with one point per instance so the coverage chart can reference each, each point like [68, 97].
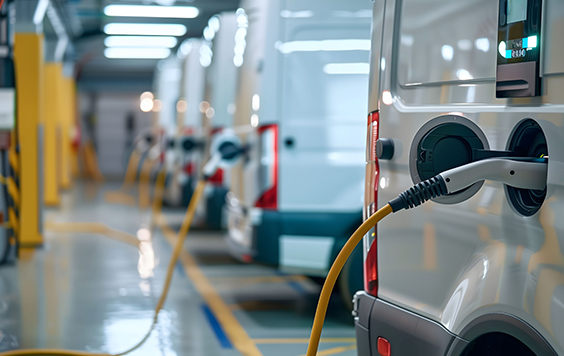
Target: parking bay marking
[235, 332]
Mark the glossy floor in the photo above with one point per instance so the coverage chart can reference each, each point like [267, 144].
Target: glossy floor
[85, 291]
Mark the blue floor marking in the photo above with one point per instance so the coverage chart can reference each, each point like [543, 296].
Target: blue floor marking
[219, 332]
[180, 268]
[297, 287]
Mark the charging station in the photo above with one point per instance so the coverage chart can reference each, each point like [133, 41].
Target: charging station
[518, 58]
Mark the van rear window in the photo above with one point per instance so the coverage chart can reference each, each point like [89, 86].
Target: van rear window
[325, 74]
[446, 42]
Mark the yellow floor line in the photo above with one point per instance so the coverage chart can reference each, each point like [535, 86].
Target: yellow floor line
[304, 340]
[92, 228]
[237, 335]
[117, 197]
[246, 281]
[335, 350]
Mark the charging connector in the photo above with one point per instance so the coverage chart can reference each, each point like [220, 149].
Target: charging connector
[521, 172]
[227, 153]
[518, 172]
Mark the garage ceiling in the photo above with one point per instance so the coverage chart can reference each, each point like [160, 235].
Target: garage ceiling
[85, 20]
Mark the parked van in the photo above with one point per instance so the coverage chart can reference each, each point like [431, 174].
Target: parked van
[219, 99]
[297, 195]
[479, 272]
[190, 119]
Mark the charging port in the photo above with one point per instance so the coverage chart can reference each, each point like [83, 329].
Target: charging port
[443, 143]
[526, 140]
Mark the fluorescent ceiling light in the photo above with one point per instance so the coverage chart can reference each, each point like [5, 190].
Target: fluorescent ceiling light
[347, 68]
[140, 41]
[40, 11]
[179, 12]
[146, 29]
[324, 45]
[137, 53]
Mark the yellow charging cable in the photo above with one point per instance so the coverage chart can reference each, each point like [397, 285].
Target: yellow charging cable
[334, 273]
[131, 173]
[184, 229]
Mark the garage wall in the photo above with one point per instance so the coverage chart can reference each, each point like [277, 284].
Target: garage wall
[110, 133]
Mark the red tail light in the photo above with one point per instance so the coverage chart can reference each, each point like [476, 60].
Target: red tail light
[217, 178]
[370, 204]
[189, 168]
[268, 167]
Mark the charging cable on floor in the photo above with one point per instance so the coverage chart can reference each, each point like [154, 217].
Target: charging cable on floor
[228, 153]
[524, 173]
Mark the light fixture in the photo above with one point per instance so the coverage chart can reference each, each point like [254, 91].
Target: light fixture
[140, 41]
[255, 102]
[146, 95]
[145, 29]
[179, 12]
[157, 105]
[447, 52]
[347, 68]
[387, 97]
[324, 45]
[254, 120]
[137, 53]
[146, 104]
[181, 106]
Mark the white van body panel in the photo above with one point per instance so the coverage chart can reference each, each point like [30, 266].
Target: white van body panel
[167, 90]
[193, 87]
[221, 75]
[324, 114]
[454, 263]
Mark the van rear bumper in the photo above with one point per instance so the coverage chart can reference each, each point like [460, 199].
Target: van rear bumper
[408, 333]
[270, 237]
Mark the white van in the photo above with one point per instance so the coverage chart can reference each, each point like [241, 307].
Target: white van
[303, 78]
[190, 118]
[219, 102]
[481, 271]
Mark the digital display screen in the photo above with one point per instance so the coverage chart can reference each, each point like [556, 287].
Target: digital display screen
[516, 10]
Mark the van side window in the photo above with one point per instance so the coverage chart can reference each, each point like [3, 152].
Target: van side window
[447, 42]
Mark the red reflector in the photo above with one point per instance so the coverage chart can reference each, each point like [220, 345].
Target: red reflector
[189, 168]
[217, 178]
[268, 200]
[247, 258]
[371, 270]
[383, 347]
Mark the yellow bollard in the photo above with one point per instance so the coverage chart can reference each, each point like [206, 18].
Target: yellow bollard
[28, 57]
[131, 172]
[52, 159]
[144, 186]
[66, 123]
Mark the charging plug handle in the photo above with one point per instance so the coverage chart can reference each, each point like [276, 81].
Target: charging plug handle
[518, 173]
[523, 173]
[227, 151]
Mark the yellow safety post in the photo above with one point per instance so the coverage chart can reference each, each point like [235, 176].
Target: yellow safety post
[131, 172]
[66, 123]
[51, 156]
[90, 159]
[28, 57]
[144, 180]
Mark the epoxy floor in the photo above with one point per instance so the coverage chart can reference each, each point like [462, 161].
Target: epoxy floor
[85, 291]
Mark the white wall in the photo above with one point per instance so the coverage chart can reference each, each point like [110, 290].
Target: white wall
[110, 131]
